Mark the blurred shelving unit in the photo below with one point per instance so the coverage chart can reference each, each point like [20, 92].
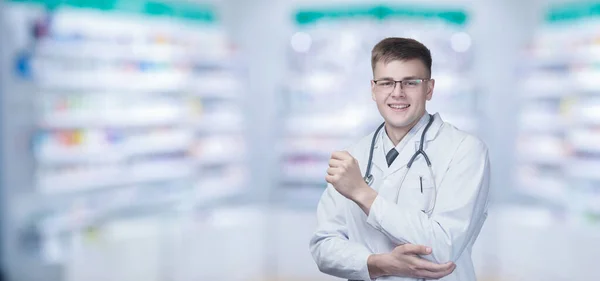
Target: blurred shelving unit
[328, 100]
[324, 101]
[120, 108]
[559, 146]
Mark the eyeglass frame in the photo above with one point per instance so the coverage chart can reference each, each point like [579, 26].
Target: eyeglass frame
[400, 81]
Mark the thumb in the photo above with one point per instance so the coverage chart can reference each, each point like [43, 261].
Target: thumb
[415, 249]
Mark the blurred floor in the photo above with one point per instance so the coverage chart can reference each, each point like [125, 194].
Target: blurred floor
[510, 248]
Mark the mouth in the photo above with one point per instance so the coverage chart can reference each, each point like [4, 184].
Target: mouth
[398, 106]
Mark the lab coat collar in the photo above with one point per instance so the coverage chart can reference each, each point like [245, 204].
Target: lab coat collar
[409, 149]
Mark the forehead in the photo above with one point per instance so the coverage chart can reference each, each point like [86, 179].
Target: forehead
[399, 69]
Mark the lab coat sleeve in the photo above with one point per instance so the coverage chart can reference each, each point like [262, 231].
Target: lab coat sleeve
[330, 247]
[460, 210]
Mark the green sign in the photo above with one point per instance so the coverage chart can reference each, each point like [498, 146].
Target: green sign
[381, 12]
[171, 9]
[573, 11]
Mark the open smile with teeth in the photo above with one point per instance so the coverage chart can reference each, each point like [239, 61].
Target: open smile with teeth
[399, 106]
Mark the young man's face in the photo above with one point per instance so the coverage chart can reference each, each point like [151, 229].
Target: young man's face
[401, 108]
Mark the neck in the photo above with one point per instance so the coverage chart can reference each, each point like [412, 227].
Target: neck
[396, 134]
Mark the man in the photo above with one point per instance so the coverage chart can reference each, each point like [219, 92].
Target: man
[414, 221]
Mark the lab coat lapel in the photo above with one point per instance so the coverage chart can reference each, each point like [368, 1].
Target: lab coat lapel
[431, 134]
[379, 161]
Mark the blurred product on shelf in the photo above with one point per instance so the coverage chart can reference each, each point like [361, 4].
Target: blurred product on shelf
[136, 106]
[558, 147]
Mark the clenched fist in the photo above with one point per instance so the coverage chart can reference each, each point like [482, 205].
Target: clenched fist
[344, 174]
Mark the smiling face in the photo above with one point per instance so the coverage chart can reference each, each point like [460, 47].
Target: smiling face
[401, 104]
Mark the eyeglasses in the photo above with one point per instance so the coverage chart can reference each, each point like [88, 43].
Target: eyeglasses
[386, 86]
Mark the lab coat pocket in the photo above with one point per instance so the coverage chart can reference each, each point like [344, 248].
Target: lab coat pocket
[427, 189]
[421, 191]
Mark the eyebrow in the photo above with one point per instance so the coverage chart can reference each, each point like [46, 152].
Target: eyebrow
[405, 78]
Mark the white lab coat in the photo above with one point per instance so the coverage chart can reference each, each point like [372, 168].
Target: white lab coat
[346, 236]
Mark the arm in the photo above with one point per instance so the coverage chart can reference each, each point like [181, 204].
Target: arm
[333, 253]
[460, 210]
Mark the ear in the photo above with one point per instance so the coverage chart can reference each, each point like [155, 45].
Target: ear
[430, 86]
[373, 90]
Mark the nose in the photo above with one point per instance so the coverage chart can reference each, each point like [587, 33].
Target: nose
[397, 92]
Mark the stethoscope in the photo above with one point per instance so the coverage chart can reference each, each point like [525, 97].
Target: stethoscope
[368, 177]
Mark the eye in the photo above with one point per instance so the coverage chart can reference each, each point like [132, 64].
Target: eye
[385, 83]
[412, 83]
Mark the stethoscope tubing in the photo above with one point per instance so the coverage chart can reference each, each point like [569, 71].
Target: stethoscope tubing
[368, 177]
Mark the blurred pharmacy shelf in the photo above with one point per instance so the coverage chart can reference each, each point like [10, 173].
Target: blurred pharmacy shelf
[558, 145]
[328, 103]
[133, 107]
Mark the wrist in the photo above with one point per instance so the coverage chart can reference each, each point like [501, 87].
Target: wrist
[364, 197]
[376, 266]
[359, 193]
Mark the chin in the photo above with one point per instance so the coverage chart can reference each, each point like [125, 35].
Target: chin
[400, 122]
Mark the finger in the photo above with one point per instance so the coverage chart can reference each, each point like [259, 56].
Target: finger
[333, 171]
[431, 266]
[415, 249]
[330, 179]
[435, 275]
[335, 163]
[341, 155]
